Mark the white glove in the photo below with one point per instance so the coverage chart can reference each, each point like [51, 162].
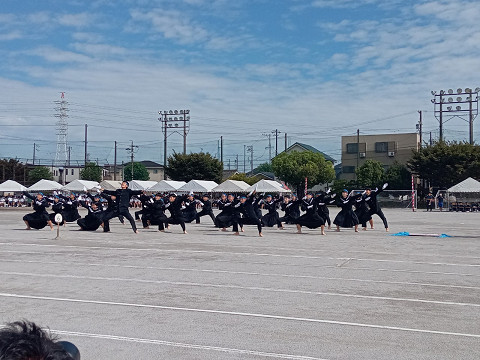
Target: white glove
[384, 186]
[328, 191]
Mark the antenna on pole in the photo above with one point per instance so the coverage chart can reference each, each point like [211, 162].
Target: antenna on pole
[61, 155]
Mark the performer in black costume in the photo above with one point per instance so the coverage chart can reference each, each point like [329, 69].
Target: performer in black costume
[362, 212]
[311, 219]
[249, 216]
[156, 210]
[144, 200]
[111, 211]
[174, 205]
[226, 218]
[38, 219]
[291, 209]
[70, 208]
[324, 199]
[372, 202]
[346, 217]
[206, 209]
[93, 219]
[271, 218]
[123, 196]
[57, 207]
[190, 209]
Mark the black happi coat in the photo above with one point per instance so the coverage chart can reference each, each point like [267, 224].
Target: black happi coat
[291, 211]
[271, 218]
[226, 218]
[57, 208]
[70, 209]
[39, 218]
[346, 217]
[92, 220]
[311, 219]
[362, 211]
[123, 198]
[190, 210]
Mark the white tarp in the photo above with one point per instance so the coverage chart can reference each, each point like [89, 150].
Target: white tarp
[45, 185]
[81, 185]
[167, 186]
[202, 186]
[111, 184]
[231, 186]
[141, 184]
[267, 186]
[11, 186]
[468, 185]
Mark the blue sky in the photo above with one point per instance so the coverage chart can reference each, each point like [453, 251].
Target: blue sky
[314, 69]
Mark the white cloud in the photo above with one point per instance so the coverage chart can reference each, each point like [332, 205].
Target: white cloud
[75, 20]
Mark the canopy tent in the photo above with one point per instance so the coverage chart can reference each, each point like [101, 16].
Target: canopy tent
[11, 186]
[110, 184]
[466, 191]
[203, 186]
[81, 185]
[167, 186]
[231, 186]
[45, 185]
[468, 185]
[141, 184]
[267, 186]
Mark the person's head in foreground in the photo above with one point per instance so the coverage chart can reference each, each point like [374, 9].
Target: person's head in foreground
[125, 184]
[23, 340]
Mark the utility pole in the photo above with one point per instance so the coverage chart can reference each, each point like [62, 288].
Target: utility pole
[269, 147]
[115, 162]
[236, 163]
[34, 149]
[250, 150]
[173, 121]
[419, 127]
[285, 141]
[86, 144]
[244, 158]
[69, 154]
[276, 132]
[358, 151]
[221, 150]
[132, 150]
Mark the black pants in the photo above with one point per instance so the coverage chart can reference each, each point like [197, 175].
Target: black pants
[379, 212]
[177, 221]
[251, 221]
[203, 213]
[122, 212]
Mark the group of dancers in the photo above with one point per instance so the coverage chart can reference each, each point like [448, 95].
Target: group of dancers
[235, 211]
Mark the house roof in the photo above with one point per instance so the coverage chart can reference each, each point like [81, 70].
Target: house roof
[311, 148]
[151, 164]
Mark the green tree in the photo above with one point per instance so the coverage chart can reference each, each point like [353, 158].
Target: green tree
[140, 172]
[39, 173]
[294, 167]
[398, 177]
[91, 172]
[243, 177]
[370, 173]
[265, 167]
[445, 164]
[340, 184]
[12, 169]
[198, 166]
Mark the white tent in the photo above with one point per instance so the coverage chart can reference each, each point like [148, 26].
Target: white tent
[231, 186]
[111, 184]
[45, 185]
[267, 186]
[81, 185]
[167, 186]
[203, 186]
[11, 186]
[141, 184]
[468, 185]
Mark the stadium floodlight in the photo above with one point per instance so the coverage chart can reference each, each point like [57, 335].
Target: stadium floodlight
[450, 91]
[459, 91]
[434, 93]
[450, 99]
[459, 98]
[477, 89]
[459, 108]
[449, 108]
[442, 92]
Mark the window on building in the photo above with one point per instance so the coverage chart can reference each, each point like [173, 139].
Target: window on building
[348, 169]
[352, 148]
[73, 171]
[155, 171]
[381, 147]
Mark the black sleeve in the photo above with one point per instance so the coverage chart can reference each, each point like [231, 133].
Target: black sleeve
[110, 192]
[90, 196]
[135, 192]
[105, 195]
[31, 197]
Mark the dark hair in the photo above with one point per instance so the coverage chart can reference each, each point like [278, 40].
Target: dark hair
[23, 340]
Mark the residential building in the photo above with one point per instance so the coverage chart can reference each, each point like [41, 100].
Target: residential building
[385, 148]
[304, 147]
